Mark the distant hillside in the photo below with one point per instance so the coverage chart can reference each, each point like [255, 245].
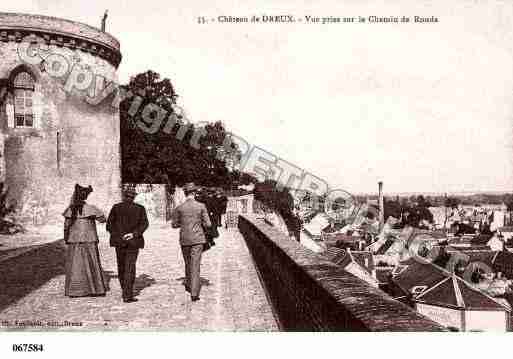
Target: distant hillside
[438, 199]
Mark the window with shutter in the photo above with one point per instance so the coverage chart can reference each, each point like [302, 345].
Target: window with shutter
[23, 100]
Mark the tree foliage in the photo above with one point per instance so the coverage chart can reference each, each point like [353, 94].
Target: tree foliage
[452, 202]
[7, 225]
[413, 212]
[167, 156]
[280, 201]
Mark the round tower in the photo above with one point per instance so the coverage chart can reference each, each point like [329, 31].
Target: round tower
[59, 119]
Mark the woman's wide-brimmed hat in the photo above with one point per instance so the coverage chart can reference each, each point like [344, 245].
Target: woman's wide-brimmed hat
[81, 193]
[84, 189]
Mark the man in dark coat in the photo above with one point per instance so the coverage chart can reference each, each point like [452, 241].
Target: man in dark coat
[203, 195]
[222, 203]
[126, 223]
[192, 218]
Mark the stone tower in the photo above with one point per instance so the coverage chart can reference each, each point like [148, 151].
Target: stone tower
[54, 132]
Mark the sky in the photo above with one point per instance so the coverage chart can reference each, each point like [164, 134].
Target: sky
[421, 107]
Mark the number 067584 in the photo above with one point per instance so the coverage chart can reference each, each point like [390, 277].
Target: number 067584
[27, 347]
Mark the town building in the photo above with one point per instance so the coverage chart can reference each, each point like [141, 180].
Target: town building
[358, 263]
[507, 232]
[240, 201]
[448, 299]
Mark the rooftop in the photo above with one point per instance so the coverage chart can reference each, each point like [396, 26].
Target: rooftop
[431, 284]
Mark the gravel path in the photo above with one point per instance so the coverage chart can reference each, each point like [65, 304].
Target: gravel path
[232, 298]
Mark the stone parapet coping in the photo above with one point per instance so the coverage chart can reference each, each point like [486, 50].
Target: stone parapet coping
[318, 294]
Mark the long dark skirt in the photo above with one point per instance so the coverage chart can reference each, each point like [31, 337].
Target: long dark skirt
[84, 274]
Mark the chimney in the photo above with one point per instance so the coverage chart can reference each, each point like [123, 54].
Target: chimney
[381, 206]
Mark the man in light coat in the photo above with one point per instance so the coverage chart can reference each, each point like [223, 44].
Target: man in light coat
[192, 218]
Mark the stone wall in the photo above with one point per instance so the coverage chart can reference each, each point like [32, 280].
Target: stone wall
[72, 141]
[57, 26]
[153, 197]
[61, 32]
[309, 293]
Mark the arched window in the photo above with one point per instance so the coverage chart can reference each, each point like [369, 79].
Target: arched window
[23, 100]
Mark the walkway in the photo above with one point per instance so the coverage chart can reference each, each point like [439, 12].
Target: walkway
[232, 298]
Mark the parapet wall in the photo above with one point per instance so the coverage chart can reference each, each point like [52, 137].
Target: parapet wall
[309, 293]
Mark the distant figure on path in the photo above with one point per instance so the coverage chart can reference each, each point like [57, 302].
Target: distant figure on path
[84, 274]
[178, 197]
[192, 218]
[126, 224]
[205, 196]
[221, 203]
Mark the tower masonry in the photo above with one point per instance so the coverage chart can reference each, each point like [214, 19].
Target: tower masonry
[54, 131]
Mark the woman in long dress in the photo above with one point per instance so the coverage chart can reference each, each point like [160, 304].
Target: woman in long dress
[84, 274]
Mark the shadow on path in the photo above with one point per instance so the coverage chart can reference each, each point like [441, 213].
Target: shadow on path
[108, 275]
[203, 281]
[141, 282]
[4, 253]
[22, 274]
